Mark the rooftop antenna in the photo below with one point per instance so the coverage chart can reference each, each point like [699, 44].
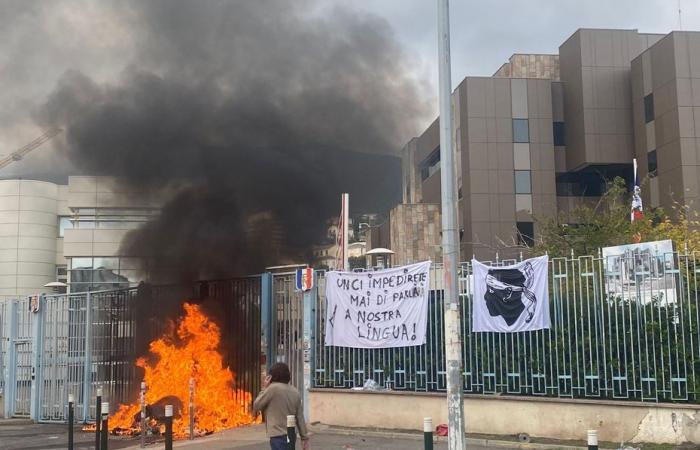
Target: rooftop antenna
[680, 22]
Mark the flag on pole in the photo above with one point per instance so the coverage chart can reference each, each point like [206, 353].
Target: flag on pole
[637, 210]
[341, 239]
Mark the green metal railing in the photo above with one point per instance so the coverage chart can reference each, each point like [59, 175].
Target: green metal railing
[625, 328]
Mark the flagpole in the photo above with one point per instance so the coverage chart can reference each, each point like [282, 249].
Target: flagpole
[346, 235]
[450, 239]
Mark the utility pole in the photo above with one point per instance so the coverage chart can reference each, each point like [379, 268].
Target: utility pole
[450, 238]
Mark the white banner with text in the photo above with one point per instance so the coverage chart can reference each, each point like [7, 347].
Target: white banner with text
[380, 309]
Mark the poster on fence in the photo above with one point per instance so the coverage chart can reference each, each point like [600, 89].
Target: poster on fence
[509, 299]
[643, 272]
[380, 309]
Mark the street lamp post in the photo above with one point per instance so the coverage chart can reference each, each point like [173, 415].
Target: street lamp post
[450, 239]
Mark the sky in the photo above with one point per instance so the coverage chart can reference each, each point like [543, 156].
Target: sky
[40, 41]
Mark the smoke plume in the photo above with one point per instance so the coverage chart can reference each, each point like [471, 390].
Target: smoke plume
[254, 116]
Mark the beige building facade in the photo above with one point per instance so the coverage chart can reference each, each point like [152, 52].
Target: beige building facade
[546, 133]
[70, 233]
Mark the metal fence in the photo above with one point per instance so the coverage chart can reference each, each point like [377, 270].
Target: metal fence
[75, 343]
[622, 328]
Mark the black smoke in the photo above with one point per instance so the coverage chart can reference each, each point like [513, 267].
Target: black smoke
[253, 116]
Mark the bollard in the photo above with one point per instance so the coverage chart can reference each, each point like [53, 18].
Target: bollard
[98, 418]
[592, 439]
[428, 433]
[291, 432]
[191, 408]
[168, 427]
[104, 445]
[143, 414]
[70, 421]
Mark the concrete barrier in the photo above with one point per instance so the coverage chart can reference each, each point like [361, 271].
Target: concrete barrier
[553, 418]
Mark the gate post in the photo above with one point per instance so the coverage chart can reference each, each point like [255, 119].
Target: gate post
[11, 368]
[87, 377]
[266, 325]
[309, 303]
[37, 358]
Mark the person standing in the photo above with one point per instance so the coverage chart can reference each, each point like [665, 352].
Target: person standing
[278, 400]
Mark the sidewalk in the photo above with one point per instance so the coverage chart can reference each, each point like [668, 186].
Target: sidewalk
[253, 438]
[26, 435]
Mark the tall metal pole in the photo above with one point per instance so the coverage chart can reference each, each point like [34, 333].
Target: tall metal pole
[450, 239]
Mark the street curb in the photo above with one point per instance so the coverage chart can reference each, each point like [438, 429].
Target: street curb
[493, 443]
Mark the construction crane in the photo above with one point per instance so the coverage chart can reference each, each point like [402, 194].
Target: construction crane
[20, 153]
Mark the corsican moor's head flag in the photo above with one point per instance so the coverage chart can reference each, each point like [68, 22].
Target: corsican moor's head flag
[508, 299]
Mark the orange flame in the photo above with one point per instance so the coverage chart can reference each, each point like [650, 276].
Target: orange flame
[190, 352]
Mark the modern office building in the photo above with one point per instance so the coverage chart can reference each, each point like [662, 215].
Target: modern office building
[666, 119]
[70, 233]
[546, 132]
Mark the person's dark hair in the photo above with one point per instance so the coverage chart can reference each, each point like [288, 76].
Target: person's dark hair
[279, 373]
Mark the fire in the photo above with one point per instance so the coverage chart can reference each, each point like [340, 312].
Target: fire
[190, 352]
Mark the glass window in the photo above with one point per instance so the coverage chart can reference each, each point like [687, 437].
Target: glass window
[81, 276]
[81, 263]
[523, 184]
[521, 133]
[521, 156]
[558, 132]
[649, 108]
[133, 276]
[651, 164]
[523, 203]
[106, 263]
[430, 165]
[64, 223]
[526, 233]
[79, 287]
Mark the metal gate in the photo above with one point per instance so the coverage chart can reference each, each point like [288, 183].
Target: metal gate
[287, 325]
[18, 375]
[71, 344]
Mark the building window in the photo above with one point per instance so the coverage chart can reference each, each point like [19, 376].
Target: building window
[102, 273]
[651, 164]
[430, 165]
[526, 233]
[111, 218]
[649, 108]
[62, 274]
[64, 223]
[521, 132]
[558, 133]
[523, 184]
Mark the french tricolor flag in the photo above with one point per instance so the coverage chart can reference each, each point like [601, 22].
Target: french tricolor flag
[305, 279]
[637, 212]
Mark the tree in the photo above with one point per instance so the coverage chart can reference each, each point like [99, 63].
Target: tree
[589, 227]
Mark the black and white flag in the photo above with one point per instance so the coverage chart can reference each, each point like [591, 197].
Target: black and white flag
[508, 299]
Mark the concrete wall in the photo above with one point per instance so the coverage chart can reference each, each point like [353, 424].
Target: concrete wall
[28, 236]
[415, 233]
[530, 66]
[502, 415]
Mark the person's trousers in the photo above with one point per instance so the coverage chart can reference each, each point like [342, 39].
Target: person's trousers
[278, 443]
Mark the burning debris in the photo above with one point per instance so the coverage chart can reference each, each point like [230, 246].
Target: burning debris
[185, 356]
